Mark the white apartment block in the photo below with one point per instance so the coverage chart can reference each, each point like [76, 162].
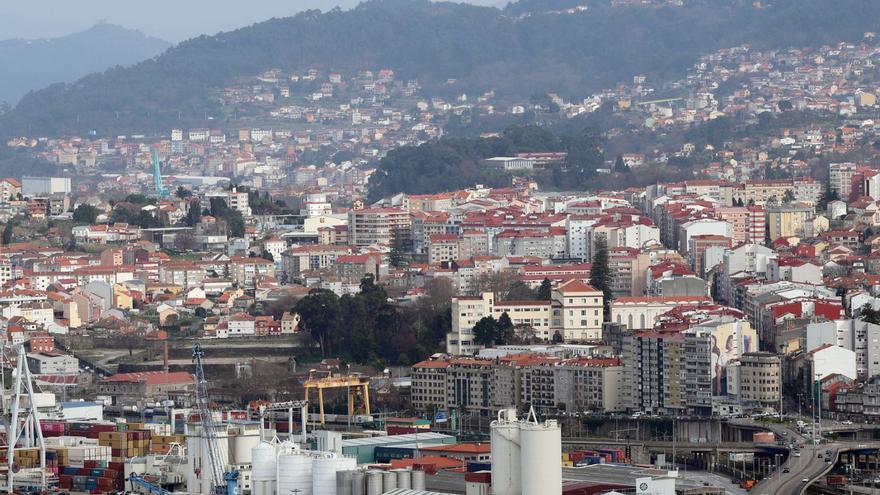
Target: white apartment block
[575, 312]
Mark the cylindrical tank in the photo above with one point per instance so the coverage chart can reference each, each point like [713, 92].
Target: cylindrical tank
[389, 481]
[418, 480]
[403, 478]
[541, 462]
[194, 461]
[505, 456]
[374, 483]
[343, 482]
[241, 445]
[294, 473]
[324, 473]
[358, 483]
[264, 469]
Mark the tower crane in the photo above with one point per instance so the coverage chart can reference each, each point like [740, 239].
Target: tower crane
[222, 482]
[161, 190]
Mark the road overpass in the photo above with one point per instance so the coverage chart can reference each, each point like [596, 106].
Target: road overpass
[809, 467]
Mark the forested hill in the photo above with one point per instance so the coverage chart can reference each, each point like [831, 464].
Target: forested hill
[513, 51]
[28, 65]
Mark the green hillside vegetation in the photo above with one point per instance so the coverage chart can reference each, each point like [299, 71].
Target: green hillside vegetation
[455, 163]
[481, 47]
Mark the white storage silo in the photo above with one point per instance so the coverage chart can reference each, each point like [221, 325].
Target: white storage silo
[193, 461]
[343, 482]
[418, 480]
[324, 472]
[294, 473]
[389, 481]
[264, 469]
[541, 460]
[374, 483]
[358, 483]
[241, 445]
[505, 456]
[403, 478]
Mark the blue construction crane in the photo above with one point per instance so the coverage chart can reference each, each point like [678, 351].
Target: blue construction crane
[222, 482]
[161, 191]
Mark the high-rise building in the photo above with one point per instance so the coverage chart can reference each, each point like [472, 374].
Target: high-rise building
[760, 381]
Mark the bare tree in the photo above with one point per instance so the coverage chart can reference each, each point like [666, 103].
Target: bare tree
[505, 284]
[185, 240]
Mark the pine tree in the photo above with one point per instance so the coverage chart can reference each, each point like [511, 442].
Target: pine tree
[600, 276]
[545, 291]
[504, 333]
[193, 214]
[7, 233]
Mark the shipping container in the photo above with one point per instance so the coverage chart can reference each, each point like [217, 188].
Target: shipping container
[764, 437]
[836, 480]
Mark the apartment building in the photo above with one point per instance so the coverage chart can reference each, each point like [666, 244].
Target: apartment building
[760, 380]
[549, 384]
[575, 312]
[369, 226]
[789, 220]
[245, 270]
[310, 257]
[443, 248]
[840, 177]
[668, 373]
[185, 274]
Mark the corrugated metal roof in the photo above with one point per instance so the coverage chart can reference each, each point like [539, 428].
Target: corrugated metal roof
[407, 491]
[408, 438]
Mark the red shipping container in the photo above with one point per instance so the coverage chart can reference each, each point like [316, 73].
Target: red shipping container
[764, 437]
[479, 477]
[427, 467]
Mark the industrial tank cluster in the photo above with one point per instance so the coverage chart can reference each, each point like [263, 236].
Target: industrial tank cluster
[282, 468]
[525, 455]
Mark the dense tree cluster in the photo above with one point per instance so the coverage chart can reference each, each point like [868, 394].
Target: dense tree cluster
[479, 47]
[367, 328]
[233, 218]
[85, 214]
[456, 163]
[489, 331]
[130, 210]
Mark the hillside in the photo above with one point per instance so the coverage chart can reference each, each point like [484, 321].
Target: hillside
[524, 54]
[34, 64]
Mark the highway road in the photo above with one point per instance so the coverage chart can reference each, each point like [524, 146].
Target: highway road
[808, 466]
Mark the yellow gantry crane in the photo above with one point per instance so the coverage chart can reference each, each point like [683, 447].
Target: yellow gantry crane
[358, 388]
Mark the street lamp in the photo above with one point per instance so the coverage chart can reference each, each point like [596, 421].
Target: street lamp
[781, 379]
[817, 425]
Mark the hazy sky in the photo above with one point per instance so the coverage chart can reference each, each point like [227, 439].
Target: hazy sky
[171, 20]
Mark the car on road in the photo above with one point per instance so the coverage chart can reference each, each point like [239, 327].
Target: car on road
[819, 456]
[797, 454]
[786, 470]
[847, 422]
[805, 480]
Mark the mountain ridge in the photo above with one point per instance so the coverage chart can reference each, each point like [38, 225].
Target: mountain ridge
[480, 47]
[33, 64]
